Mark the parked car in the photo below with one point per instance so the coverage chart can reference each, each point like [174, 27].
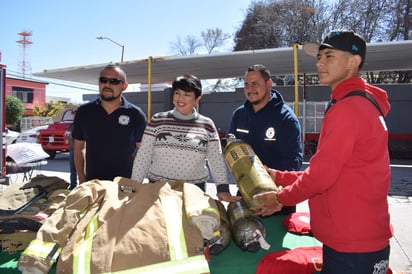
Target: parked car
[11, 136]
[56, 137]
[30, 136]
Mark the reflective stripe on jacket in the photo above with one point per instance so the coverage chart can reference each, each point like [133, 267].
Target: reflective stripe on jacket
[120, 226]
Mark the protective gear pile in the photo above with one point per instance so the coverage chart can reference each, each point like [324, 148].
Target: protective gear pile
[109, 226]
[24, 206]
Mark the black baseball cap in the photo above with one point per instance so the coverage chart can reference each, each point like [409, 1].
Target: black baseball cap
[344, 40]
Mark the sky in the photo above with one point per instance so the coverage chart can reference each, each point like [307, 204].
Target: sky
[64, 32]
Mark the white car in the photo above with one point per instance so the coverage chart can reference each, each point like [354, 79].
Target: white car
[11, 136]
[30, 135]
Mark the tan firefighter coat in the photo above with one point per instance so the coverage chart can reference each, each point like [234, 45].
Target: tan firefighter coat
[120, 225]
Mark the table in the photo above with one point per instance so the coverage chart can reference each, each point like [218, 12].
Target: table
[231, 261]
[235, 261]
[27, 169]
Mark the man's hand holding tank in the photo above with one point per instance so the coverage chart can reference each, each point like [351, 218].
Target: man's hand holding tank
[227, 197]
[268, 203]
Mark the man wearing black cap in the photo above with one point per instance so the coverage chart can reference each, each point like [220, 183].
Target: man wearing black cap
[348, 178]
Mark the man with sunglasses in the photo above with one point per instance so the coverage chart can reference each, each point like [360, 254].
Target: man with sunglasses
[110, 130]
[348, 178]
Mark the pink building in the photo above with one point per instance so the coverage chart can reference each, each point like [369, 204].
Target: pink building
[32, 93]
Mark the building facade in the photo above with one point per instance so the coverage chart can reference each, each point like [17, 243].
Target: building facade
[32, 93]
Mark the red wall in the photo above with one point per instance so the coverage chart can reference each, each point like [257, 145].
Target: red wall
[39, 92]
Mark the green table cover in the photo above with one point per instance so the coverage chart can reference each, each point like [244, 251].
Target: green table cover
[231, 260]
[234, 260]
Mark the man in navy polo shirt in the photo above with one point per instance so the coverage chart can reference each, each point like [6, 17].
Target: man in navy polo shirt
[109, 128]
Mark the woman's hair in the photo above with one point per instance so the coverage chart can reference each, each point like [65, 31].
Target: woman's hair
[188, 83]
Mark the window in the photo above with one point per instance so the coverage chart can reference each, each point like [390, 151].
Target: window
[314, 112]
[24, 94]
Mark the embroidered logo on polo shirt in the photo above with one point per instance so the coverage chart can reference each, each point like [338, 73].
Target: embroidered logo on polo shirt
[270, 134]
[124, 120]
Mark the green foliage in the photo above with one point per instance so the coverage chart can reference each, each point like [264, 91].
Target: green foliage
[50, 110]
[14, 110]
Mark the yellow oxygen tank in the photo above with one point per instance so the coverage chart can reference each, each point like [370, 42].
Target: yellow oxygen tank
[248, 171]
[222, 236]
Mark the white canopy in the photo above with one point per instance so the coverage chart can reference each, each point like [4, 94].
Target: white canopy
[386, 56]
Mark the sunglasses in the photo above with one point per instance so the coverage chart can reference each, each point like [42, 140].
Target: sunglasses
[112, 81]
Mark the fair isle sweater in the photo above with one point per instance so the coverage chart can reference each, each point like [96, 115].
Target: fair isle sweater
[179, 147]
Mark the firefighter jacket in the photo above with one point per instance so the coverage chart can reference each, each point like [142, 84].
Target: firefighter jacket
[113, 226]
[24, 206]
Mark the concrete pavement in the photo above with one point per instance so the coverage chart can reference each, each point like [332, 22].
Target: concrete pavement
[400, 208]
[399, 199]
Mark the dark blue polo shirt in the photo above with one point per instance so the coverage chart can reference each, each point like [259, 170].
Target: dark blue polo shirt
[110, 138]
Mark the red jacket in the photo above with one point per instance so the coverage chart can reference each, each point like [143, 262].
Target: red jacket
[348, 178]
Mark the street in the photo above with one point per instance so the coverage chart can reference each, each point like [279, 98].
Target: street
[60, 163]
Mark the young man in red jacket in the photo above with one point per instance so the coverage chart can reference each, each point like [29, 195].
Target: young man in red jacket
[348, 178]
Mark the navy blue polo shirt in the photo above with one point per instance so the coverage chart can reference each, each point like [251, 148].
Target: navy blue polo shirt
[110, 138]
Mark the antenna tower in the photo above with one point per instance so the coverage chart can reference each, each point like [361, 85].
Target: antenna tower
[25, 41]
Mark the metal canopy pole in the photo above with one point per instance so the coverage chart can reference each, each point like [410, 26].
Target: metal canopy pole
[3, 178]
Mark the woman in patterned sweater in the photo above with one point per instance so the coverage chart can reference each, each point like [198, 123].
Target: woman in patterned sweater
[183, 145]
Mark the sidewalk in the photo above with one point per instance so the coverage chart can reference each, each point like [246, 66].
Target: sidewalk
[400, 208]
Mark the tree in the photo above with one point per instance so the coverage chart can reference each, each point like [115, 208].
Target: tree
[303, 21]
[258, 30]
[366, 17]
[273, 24]
[281, 23]
[50, 110]
[14, 110]
[400, 20]
[186, 47]
[214, 38]
[210, 39]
